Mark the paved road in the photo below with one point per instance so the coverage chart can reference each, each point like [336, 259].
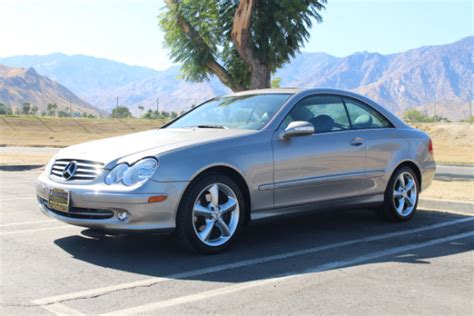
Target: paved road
[32, 150]
[345, 262]
[454, 172]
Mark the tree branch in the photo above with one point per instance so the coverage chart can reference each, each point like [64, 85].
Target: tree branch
[241, 31]
[242, 38]
[212, 65]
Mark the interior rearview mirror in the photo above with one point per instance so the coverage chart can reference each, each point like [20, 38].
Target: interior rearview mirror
[297, 128]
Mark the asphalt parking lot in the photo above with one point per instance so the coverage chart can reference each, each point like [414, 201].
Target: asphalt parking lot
[340, 262]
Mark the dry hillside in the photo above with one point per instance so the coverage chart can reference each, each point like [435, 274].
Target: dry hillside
[20, 85]
[453, 142]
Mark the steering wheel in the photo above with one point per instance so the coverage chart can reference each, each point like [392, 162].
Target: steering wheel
[254, 117]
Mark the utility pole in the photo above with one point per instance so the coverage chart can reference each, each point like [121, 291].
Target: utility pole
[116, 106]
[470, 103]
[158, 106]
[470, 110]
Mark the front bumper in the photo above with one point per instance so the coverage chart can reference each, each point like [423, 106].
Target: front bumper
[97, 205]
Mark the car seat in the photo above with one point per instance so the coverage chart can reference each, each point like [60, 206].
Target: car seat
[322, 123]
[363, 121]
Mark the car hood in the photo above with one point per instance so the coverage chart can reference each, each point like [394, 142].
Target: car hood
[132, 147]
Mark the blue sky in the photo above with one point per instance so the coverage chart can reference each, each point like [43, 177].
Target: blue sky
[127, 31]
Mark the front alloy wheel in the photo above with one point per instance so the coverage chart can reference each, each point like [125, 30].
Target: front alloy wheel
[216, 214]
[210, 214]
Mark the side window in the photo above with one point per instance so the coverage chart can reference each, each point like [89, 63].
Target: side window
[326, 113]
[363, 116]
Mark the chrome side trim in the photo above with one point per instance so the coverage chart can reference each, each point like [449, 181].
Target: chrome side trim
[374, 173]
[319, 180]
[266, 187]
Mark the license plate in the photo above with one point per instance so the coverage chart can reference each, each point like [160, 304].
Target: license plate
[59, 200]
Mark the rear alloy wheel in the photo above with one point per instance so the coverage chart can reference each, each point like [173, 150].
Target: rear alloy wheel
[210, 214]
[405, 194]
[401, 196]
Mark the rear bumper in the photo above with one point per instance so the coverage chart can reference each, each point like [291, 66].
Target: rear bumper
[97, 206]
[427, 173]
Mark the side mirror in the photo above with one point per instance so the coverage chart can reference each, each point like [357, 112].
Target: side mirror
[297, 128]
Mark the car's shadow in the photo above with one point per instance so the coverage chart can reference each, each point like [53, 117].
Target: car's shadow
[161, 256]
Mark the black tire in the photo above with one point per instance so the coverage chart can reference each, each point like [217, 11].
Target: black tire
[388, 211]
[185, 226]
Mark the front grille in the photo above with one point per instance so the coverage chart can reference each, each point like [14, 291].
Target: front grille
[86, 170]
[82, 213]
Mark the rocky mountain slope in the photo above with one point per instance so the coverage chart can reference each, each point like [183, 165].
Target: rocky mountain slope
[20, 85]
[440, 75]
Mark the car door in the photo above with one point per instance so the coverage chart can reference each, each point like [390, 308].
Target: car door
[326, 165]
[381, 140]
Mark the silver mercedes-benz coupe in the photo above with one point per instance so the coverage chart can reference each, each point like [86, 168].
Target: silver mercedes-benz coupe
[239, 157]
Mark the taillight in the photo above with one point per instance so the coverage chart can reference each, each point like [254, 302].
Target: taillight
[430, 147]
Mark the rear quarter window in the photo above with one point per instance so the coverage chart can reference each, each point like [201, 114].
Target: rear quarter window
[363, 116]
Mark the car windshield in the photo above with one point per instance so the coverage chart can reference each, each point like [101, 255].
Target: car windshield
[241, 112]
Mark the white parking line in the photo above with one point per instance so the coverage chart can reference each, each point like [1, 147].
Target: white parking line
[10, 182]
[21, 197]
[238, 264]
[28, 223]
[23, 231]
[152, 307]
[60, 309]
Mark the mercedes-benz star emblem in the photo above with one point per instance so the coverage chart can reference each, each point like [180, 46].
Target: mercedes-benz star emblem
[70, 170]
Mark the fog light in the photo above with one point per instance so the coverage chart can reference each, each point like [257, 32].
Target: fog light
[122, 216]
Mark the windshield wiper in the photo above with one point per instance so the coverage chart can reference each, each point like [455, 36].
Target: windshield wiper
[210, 126]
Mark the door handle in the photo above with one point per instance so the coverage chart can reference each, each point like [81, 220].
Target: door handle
[357, 141]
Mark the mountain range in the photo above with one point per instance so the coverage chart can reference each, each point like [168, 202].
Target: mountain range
[420, 77]
[431, 78]
[21, 85]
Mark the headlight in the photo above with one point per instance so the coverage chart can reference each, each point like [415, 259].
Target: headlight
[116, 175]
[139, 172]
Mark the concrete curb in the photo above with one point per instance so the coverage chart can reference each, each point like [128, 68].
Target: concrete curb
[452, 164]
[446, 205]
